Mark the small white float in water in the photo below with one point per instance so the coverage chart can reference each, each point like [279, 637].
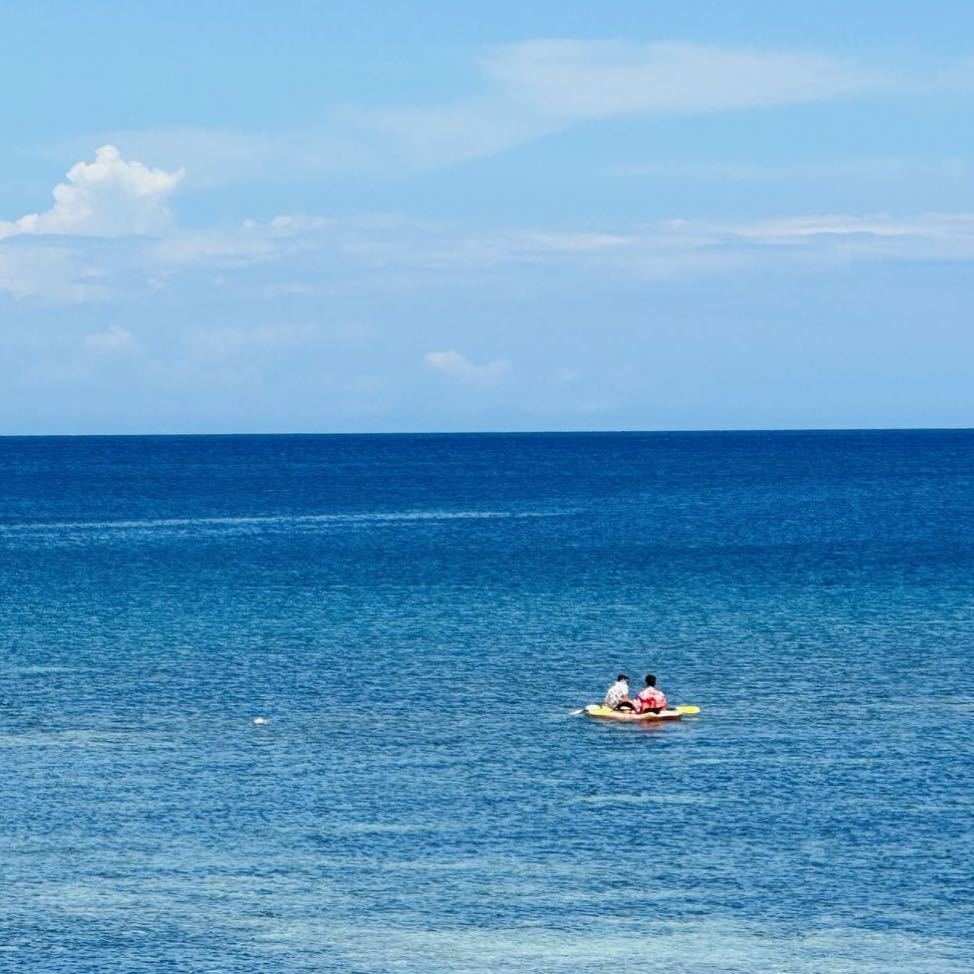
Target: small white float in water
[260, 720]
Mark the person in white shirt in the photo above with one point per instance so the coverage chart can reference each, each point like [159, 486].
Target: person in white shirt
[617, 696]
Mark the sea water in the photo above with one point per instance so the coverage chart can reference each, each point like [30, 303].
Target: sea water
[303, 704]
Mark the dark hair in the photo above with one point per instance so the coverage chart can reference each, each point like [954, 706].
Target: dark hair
[622, 676]
[650, 680]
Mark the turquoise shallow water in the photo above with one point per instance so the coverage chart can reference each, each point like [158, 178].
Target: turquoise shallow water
[416, 617]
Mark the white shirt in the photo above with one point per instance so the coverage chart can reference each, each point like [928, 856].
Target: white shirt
[618, 692]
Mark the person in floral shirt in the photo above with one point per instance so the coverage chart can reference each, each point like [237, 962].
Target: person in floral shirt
[617, 696]
[650, 699]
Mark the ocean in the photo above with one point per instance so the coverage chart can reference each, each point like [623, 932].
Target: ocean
[413, 619]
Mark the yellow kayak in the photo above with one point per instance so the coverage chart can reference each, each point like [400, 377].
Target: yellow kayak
[602, 712]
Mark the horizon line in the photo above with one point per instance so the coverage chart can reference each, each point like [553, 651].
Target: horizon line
[496, 432]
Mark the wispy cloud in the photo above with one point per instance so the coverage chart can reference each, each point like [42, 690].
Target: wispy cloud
[55, 274]
[527, 90]
[694, 247]
[575, 79]
[459, 367]
[535, 88]
[224, 342]
[110, 228]
[388, 253]
[113, 339]
[677, 244]
[858, 169]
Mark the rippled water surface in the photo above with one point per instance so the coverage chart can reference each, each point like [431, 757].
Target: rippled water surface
[415, 617]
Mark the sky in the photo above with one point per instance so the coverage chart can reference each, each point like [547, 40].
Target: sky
[416, 216]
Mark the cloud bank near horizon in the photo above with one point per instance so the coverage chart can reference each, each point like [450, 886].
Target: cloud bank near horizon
[115, 234]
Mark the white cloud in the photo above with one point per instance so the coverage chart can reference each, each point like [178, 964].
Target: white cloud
[539, 87]
[932, 235]
[655, 249]
[858, 169]
[253, 242]
[290, 224]
[52, 274]
[459, 367]
[307, 257]
[575, 79]
[213, 248]
[286, 289]
[114, 339]
[673, 248]
[577, 242]
[659, 250]
[528, 90]
[109, 197]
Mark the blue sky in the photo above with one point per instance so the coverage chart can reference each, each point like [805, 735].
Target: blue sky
[416, 216]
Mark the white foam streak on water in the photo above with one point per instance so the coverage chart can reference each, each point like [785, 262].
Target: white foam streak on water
[260, 522]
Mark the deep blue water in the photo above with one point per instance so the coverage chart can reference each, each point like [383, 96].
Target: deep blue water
[415, 617]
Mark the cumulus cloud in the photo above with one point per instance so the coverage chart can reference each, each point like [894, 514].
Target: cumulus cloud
[459, 367]
[110, 197]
